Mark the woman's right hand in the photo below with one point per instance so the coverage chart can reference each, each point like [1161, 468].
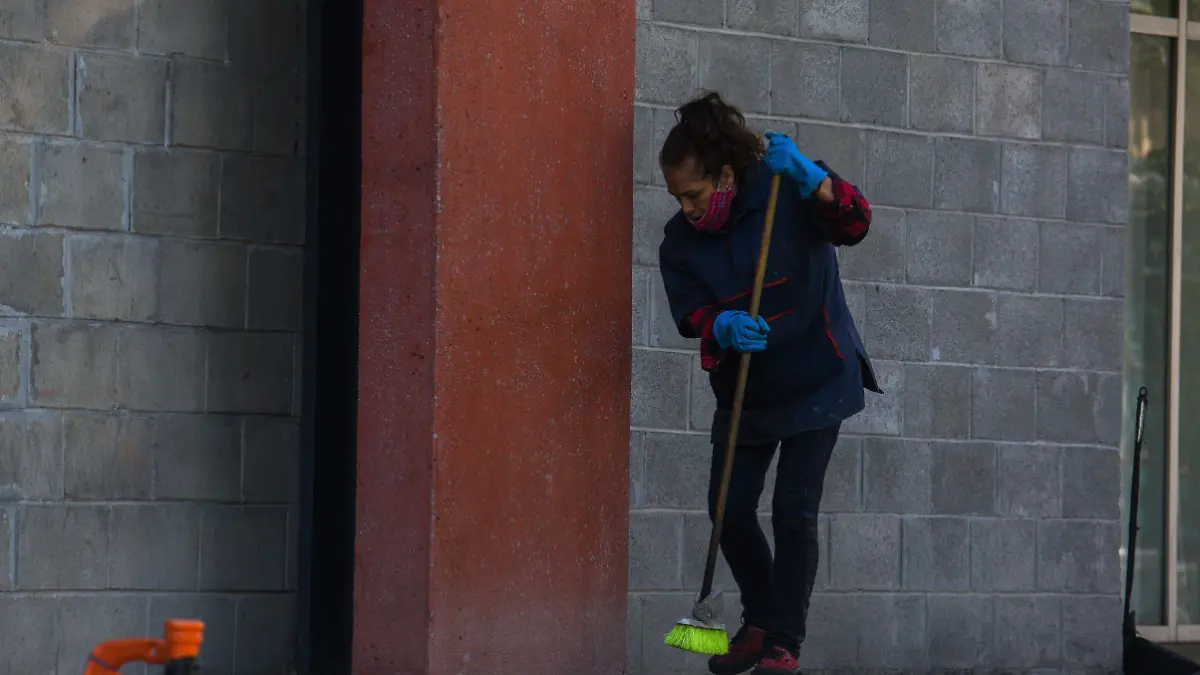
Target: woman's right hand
[740, 331]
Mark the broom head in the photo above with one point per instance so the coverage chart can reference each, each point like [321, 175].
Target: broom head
[702, 632]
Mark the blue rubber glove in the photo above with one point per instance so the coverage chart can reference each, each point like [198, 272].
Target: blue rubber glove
[785, 158]
[736, 329]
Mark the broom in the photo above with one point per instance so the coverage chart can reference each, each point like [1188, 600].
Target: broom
[702, 632]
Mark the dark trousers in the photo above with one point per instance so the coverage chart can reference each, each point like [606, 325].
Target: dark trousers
[775, 591]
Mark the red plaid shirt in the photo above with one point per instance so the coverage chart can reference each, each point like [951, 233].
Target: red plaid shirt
[845, 222]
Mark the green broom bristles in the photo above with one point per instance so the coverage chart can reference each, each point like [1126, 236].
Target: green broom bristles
[711, 641]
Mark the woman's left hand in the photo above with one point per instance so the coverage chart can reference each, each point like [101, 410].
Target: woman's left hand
[783, 157]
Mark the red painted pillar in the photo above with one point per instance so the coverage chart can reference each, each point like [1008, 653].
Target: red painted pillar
[492, 504]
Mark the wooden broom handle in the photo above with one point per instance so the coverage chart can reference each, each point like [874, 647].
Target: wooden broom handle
[739, 396]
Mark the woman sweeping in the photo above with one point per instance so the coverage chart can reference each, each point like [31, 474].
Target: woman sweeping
[809, 368]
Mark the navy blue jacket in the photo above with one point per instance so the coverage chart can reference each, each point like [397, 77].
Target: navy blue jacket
[815, 367]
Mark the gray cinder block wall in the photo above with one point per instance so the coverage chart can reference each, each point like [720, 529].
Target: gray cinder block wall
[150, 271]
[971, 512]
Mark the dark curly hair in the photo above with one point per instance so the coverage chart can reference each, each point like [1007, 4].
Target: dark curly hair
[713, 133]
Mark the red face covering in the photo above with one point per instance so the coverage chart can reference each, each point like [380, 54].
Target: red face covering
[719, 206]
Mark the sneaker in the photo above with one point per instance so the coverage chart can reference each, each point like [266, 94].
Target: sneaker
[778, 661]
[745, 650]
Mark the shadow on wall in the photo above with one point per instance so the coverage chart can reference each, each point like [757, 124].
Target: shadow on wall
[151, 234]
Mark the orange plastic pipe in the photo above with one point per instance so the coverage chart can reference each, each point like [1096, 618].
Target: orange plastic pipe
[181, 640]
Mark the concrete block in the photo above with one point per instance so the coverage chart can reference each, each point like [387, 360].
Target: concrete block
[1070, 259]
[856, 298]
[660, 389]
[1099, 35]
[779, 17]
[940, 249]
[83, 23]
[970, 27]
[250, 372]
[266, 636]
[161, 369]
[677, 468]
[1029, 331]
[191, 28]
[892, 631]
[36, 95]
[707, 13]
[936, 554]
[113, 278]
[1035, 31]
[966, 175]
[864, 552]
[243, 548]
[1096, 186]
[663, 330]
[202, 283]
[1008, 101]
[1116, 113]
[941, 94]
[22, 20]
[838, 20]
[1006, 253]
[271, 461]
[880, 257]
[1073, 106]
[217, 613]
[1007, 402]
[884, 414]
[874, 87]
[275, 289]
[7, 529]
[899, 169]
[1002, 555]
[842, 148]
[155, 547]
[1078, 407]
[1080, 556]
[175, 192]
[1091, 631]
[31, 456]
[652, 208]
[258, 200]
[31, 272]
[963, 479]
[1033, 180]
[121, 98]
[85, 621]
[266, 36]
[641, 304]
[29, 625]
[908, 25]
[896, 476]
[937, 401]
[107, 456]
[16, 163]
[637, 470]
[655, 550]
[645, 149]
[1029, 481]
[804, 79]
[83, 187]
[199, 457]
[897, 323]
[291, 577]
[831, 639]
[634, 630]
[702, 404]
[964, 327]
[667, 62]
[961, 630]
[1027, 631]
[212, 106]
[70, 544]
[1096, 331]
[843, 492]
[74, 365]
[15, 360]
[1091, 483]
[738, 67]
[279, 111]
[697, 529]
